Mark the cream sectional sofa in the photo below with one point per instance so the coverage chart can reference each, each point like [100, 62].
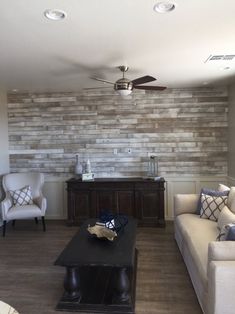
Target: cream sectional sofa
[210, 263]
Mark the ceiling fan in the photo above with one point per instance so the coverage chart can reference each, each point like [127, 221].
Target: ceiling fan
[124, 86]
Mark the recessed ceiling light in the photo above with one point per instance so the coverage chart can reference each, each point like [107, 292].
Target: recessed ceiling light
[164, 7]
[55, 15]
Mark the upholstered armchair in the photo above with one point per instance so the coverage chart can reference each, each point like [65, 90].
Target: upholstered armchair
[24, 199]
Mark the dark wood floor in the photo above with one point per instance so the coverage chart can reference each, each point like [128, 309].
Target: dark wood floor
[32, 284]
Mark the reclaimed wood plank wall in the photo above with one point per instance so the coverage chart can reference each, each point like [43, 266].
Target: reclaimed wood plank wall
[186, 128]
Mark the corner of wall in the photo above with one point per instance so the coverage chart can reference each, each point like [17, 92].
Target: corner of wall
[4, 152]
[231, 132]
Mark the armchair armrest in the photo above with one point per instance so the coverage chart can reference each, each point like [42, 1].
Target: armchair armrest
[185, 203]
[6, 204]
[41, 202]
[221, 287]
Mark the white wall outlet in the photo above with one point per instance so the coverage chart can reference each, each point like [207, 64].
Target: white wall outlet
[115, 151]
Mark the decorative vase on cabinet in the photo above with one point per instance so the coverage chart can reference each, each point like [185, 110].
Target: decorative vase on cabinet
[78, 167]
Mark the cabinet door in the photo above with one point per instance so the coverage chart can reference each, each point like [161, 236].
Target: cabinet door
[125, 203]
[79, 206]
[105, 201]
[115, 201]
[150, 207]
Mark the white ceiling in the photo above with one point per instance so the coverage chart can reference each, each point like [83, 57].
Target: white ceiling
[37, 54]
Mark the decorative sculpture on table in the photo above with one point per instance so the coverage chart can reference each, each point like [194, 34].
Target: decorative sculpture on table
[87, 175]
[102, 232]
[108, 226]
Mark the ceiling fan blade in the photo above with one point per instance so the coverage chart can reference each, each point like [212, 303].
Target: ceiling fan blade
[143, 79]
[101, 80]
[102, 87]
[150, 87]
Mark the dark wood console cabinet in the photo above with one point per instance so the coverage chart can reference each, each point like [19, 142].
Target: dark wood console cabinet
[137, 197]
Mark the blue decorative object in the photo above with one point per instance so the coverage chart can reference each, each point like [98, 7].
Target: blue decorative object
[231, 234]
[116, 222]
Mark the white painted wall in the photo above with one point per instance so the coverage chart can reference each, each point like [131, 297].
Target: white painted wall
[231, 136]
[4, 156]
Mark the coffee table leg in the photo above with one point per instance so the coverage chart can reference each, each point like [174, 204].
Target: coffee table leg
[71, 285]
[122, 287]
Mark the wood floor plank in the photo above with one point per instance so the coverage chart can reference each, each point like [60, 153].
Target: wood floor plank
[33, 285]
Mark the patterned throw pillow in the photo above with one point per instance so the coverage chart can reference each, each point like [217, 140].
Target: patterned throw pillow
[211, 193]
[22, 196]
[211, 206]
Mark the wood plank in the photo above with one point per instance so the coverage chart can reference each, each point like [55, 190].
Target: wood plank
[32, 284]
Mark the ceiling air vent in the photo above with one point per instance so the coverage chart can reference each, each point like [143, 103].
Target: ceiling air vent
[220, 58]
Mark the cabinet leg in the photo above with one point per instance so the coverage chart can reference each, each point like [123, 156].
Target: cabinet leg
[122, 287]
[71, 285]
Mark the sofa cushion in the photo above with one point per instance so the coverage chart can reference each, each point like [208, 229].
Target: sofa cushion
[222, 188]
[231, 199]
[198, 233]
[212, 206]
[225, 217]
[231, 195]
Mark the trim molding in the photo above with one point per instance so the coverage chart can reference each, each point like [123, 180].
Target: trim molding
[231, 181]
[55, 191]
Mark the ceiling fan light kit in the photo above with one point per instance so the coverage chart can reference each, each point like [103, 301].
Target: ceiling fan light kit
[124, 86]
[164, 7]
[55, 15]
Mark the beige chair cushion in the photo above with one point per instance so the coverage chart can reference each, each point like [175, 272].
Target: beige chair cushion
[24, 212]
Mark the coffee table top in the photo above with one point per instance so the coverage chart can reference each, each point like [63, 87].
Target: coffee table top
[87, 250]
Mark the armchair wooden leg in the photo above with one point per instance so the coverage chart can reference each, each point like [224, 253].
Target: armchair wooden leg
[13, 223]
[36, 220]
[4, 228]
[43, 223]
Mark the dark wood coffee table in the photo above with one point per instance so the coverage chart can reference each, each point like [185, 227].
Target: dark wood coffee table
[100, 274]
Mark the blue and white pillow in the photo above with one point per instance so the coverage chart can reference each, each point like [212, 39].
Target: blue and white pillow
[211, 193]
[211, 206]
[22, 196]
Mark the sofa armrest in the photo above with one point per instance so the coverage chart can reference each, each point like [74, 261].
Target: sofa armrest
[185, 203]
[221, 287]
[6, 204]
[221, 251]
